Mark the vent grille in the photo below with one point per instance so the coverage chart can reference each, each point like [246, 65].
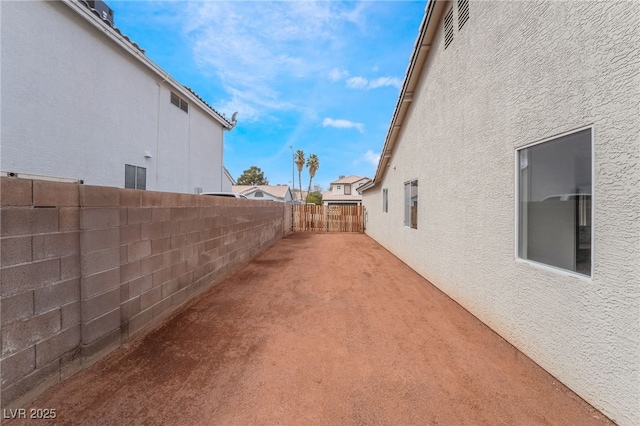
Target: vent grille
[448, 28]
[463, 13]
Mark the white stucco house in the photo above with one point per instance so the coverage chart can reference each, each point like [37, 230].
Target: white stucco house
[81, 101]
[344, 191]
[509, 179]
[281, 193]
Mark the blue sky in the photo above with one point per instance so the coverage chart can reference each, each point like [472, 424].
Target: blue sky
[323, 77]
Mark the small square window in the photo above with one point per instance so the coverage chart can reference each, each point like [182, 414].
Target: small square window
[179, 102]
[135, 177]
[175, 99]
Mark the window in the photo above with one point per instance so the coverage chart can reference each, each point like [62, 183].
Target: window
[338, 187]
[411, 204]
[135, 177]
[448, 28]
[179, 102]
[554, 202]
[385, 200]
[258, 194]
[347, 190]
[463, 13]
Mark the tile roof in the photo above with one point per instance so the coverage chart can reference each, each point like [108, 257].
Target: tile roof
[207, 105]
[330, 196]
[349, 179]
[106, 21]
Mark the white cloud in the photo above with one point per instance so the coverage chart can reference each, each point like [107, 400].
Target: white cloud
[342, 124]
[338, 74]
[363, 83]
[371, 157]
[357, 83]
[252, 56]
[385, 81]
[368, 157]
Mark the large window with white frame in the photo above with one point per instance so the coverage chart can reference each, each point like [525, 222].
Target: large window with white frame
[411, 204]
[554, 202]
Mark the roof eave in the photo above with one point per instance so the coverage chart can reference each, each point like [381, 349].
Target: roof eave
[418, 58]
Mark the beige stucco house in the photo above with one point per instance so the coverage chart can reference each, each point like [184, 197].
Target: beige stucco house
[509, 179]
[344, 191]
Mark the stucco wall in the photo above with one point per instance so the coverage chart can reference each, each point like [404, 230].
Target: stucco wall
[84, 268]
[517, 73]
[76, 105]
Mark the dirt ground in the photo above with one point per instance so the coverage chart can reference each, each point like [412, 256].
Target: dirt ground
[320, 329]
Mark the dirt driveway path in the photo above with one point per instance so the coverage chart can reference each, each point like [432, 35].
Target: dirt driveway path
[320, 329]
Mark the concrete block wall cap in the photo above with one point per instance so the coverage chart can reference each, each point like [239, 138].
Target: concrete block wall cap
[15, 192]
[99, 196]
[130, 198]
[57, 194]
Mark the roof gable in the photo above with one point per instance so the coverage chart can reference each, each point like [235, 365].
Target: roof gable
[348, 179]
[83, 10]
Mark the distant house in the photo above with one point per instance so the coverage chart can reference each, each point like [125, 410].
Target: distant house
[345, 191]
[299, 197]
[280, 193]
[81, 101]
[509, 179]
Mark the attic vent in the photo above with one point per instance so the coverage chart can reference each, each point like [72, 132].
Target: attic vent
[448, 28]
[463, 13]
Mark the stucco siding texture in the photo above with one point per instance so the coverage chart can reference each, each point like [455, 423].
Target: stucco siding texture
[76, 105]
[518, 73]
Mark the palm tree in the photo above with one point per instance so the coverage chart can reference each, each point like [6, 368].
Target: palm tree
[313, 163]
[299, 159]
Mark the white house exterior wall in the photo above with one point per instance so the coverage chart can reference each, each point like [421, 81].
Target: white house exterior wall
[76, 105]
[515, 74]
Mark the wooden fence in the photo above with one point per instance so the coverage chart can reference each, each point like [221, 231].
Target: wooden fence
[344, 218]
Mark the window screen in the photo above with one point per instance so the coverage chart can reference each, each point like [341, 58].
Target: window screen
[554, 194]
[135, 177]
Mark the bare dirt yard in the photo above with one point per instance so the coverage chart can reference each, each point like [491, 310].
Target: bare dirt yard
[324, 329]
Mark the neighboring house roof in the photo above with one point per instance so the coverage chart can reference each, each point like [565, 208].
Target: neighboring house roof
[296, 193]
[82, 9]
[349, 179]
[330, 196]
[427, 32]
[278, 191]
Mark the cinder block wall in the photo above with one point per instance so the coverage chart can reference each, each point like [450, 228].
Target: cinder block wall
[84, 268]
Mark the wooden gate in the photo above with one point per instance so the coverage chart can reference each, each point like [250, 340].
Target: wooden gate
[345, 218]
